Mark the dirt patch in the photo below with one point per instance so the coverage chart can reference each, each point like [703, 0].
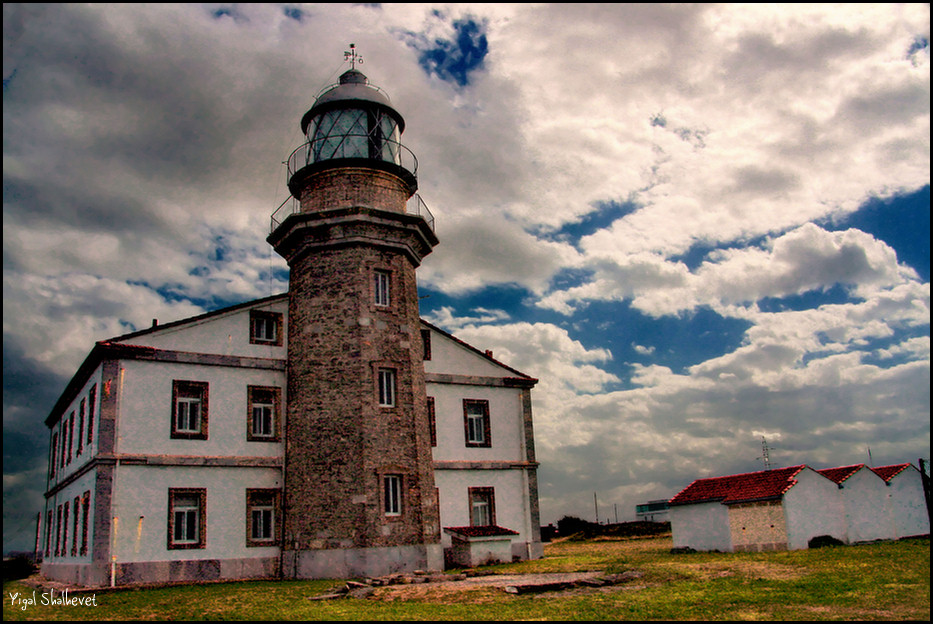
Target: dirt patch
[477, 589]
[759, 570]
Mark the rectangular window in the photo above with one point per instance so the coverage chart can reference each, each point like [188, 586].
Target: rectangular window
[54, 452]
[189, 409]
[81, 426]
[392, 485]
[263, 416]
[426, 344]
[262, 527]
[85, 514]
[186, 517]
[58, 530]
[77, 522]
[386, 380]
[48, 533]
[91, 404]
[432, 421]
[265, 328]
[381, 287]
[63, 551]
[482, 506]
[71, 436]
[476, 422]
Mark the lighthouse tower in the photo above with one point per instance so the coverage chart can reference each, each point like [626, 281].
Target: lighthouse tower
[359, 493]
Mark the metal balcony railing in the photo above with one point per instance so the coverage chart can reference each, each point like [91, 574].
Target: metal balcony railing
[352, 146]
[290, 206]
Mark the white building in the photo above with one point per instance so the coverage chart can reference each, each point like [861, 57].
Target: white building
[166, 460]
[783, 509]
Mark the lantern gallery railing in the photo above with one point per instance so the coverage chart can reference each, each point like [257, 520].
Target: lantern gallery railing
[360, 145]
[291, 206]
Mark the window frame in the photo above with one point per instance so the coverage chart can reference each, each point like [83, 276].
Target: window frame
[386, 387]
[201, 540]
[484, 494]
[181, 388]
[432, 420]
[392, 495]
[382, 288]
[275, 319]
[252, 403]
[263, 499]
[484, 419]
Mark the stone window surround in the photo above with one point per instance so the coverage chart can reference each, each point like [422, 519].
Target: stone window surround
[487, 434]
[180, 386]
[276, 414]
[201, 493]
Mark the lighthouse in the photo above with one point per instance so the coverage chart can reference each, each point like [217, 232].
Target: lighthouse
[359, 495]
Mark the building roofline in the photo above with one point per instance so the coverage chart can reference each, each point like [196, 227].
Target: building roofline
[115, 348]
[482, 354]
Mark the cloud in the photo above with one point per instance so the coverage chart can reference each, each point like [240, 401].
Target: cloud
[643, 168]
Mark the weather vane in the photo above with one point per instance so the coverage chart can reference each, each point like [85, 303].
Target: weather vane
[352, 56]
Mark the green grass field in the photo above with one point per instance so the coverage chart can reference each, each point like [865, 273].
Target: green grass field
[881, 581]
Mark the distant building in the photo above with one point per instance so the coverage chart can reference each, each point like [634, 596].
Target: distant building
[784, 509]
[653, 511]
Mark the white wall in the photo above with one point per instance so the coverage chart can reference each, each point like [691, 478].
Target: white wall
[865, 497]
[221, 334]
[145, 410]
[507, 432]
[510, 497]
[84, 483]
[813, 507]
[140, 502]
[703, 526]
[907, 511]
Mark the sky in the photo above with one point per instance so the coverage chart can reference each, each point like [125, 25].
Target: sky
[704, 228]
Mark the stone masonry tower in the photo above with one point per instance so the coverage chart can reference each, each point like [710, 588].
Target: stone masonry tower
[359, 495]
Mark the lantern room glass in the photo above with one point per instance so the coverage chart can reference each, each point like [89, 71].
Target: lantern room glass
[354, 133]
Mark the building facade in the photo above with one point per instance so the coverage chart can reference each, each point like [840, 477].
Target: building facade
[325, 433]
[783, 509]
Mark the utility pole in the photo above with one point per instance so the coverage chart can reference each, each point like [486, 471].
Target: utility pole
[596, 505]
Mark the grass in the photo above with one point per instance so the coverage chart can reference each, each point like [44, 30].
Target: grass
[880, 581]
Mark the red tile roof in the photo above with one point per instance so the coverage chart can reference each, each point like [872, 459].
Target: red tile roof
[886, 472]
[741, 487]
[840, 474]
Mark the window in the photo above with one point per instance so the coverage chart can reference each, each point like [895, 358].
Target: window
[186, 517]
[48, 533]
[381, 287]
[476, 422]
[63, 551]
[81, 426]
[263, 416]
[77, 520]
[85, 513]
[54, 451]
[432, 421]
[71, 435]
[189, 409]
[482, 506]
[426, 344]
[265, 328]
[58, 531]
[386, 380]
[392, 485]
[262, 527]
[91, 403]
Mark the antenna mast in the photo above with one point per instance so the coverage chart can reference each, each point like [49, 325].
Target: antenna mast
[764, 453]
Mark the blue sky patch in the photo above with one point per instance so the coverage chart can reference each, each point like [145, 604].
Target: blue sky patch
[453, 60]
[903, 222]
